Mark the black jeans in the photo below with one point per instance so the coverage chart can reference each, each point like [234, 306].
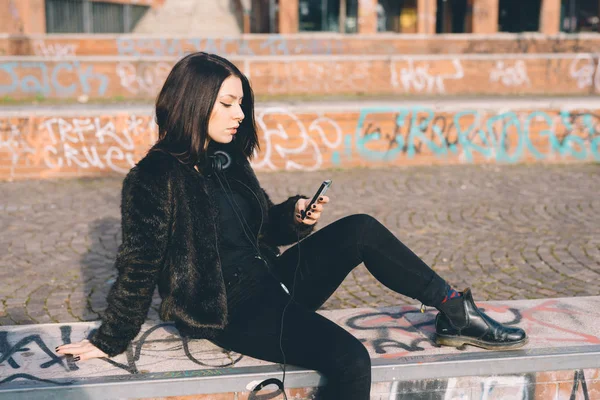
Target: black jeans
[309, 339]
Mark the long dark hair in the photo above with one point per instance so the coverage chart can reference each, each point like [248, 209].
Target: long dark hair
[186, 101]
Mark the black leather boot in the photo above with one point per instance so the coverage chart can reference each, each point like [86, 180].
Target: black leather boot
[461, 322]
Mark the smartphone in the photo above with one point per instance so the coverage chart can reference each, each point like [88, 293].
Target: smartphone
[324, 186]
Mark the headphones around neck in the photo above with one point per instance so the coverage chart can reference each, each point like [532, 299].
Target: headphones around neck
[220, 161]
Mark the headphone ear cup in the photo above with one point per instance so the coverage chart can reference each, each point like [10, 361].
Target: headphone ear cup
[222, 160]
[216, 164]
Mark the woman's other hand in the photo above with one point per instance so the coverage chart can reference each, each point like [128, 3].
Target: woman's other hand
[81, 351]
[312, 215]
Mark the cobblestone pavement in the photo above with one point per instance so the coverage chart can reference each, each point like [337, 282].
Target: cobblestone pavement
[509, 232]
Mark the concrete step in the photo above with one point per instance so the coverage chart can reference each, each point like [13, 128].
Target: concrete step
[564, 335]
[75, 141]
[28, 78]
[324, 43]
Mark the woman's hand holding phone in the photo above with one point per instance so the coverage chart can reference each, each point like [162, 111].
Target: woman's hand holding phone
[308, 212]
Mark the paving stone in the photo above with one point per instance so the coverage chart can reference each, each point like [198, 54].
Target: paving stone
[508, 232]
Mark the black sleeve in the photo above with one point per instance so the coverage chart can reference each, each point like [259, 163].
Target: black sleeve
[282, 228]
[145, 222]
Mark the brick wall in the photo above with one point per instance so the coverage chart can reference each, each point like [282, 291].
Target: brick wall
[22, 16]
[281, 45]
[129, 78]
[48, 145]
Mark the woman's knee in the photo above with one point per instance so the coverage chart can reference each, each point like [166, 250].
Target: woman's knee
[359, 222]
[354, 363]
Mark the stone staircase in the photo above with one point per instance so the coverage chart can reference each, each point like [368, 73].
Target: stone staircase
[191, 18]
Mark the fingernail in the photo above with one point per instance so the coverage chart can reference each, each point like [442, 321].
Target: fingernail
[308, 213]
[320, 199]
[76, 358]
[56, 348]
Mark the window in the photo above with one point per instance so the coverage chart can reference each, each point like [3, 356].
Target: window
[397, 16]
[580, 16]
[86, 16]
[324, 15]
[107, 18]
[519, 16]
[452, 16]
[64, 16]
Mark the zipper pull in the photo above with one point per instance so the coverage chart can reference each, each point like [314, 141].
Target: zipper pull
[423, 308]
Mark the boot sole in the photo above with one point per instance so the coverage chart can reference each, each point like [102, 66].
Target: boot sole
[457, 341]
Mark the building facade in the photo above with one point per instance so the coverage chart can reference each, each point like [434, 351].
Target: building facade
[294, 16]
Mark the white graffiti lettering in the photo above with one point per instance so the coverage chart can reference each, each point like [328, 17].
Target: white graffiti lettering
[56, 50]
[515, 75]
[586, 71]
[275, 138]
[145, 78]
[418, 78]
[73, 143]
[313, 77]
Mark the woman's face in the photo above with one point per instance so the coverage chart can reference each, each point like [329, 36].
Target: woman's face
[227, 113]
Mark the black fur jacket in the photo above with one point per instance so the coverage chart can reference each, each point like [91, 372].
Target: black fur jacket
[169, 224]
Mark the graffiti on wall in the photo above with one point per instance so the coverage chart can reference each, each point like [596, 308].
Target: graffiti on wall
[54, 50]
[27, 354]
[383, 327]
[60, 79]
[396, 134]
[274, 45]
[572, 385]
[302, 139]
[143, 78]
[16, 351]
[105, 78]
[385, 134]
[524, 43]
[107, 143]
[585, 70]
[420, 77]
[283, 45]
[310, 141]
[510, 75]
[311, 77]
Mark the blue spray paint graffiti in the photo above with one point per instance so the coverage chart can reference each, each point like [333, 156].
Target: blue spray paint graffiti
[275, 45]
[504, 137]
[41, 78]
[181, 47]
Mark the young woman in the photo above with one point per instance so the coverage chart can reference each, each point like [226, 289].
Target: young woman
[197, 223]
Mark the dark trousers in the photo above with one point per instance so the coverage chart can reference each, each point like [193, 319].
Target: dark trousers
[310, 340]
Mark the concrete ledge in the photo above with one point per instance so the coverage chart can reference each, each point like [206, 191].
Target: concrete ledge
[29, 78]
[564, 335]
[59, 45]
[100, 141]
